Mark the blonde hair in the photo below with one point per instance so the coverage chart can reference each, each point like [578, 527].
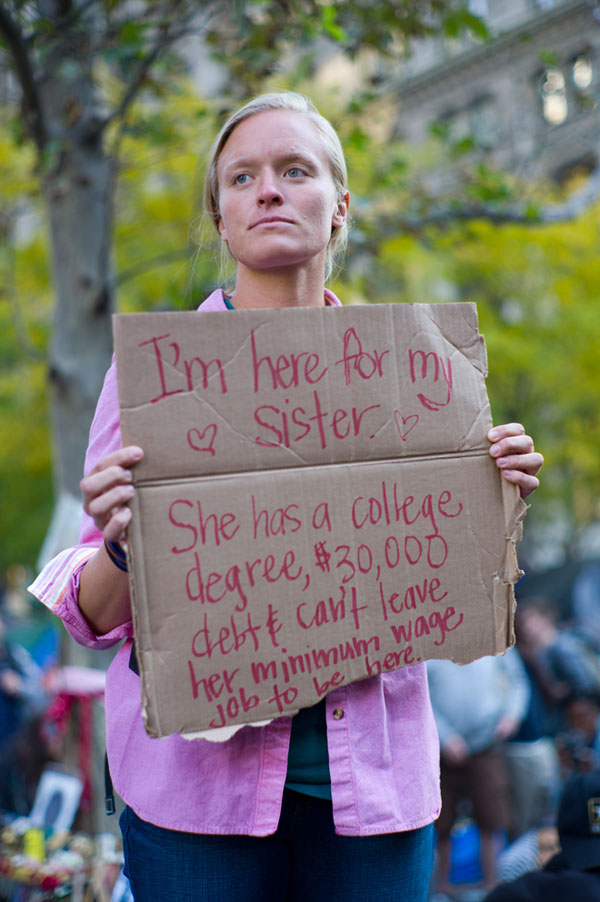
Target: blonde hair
[297, 103]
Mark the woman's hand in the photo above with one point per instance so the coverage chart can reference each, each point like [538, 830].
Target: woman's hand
[108, 488]
[103, 587]
[515, 456]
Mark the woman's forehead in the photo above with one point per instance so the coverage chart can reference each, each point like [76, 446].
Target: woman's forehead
[276, 133]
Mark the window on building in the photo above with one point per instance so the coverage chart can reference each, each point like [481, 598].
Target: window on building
[452, 126]
[483, 122]
[582, 79]
[553, 94]
[582, 72]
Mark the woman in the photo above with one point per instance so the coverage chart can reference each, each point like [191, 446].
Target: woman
[207, 820]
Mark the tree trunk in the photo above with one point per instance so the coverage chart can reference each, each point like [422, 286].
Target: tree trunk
[78, 189]
[78, 200]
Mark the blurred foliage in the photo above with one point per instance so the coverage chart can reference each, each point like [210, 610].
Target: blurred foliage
[158, 207]
[251, 38]
[25, 312]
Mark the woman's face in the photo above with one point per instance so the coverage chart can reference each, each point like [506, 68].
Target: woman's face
[277, 199]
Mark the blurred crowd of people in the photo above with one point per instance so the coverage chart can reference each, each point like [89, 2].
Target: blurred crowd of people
[518, 734]
[23, 699]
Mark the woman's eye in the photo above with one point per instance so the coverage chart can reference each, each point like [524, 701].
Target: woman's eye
[240, 179]
[295, 172]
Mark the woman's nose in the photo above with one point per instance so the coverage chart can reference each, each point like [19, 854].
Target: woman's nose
[269, 191]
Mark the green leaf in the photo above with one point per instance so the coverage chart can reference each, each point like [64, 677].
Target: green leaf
[133, 32]
[463, 146]
[329, 24]
[440, 129]
[459, 21]
[549, 58]
[532, 211]
[358, 139]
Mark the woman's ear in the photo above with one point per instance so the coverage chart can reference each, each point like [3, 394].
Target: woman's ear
[222, 230]
[340, 214]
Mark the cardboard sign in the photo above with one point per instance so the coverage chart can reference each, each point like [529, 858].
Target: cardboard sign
[316, 504]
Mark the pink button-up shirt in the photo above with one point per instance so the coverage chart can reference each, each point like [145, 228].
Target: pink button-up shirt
[383, 751]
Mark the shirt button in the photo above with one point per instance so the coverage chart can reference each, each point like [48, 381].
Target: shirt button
[338, 713]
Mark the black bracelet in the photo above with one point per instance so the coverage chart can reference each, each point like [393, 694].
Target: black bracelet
[117, 554]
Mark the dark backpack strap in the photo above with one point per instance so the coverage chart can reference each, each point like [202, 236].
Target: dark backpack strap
[109, 794]
[133, 661]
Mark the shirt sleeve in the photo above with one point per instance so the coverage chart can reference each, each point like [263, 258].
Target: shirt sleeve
[57, 586]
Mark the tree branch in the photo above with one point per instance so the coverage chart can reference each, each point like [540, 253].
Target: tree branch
[144, 266]
[66, 19]
[165, 40]
[446, 216]
[32, 107]
[579, 201]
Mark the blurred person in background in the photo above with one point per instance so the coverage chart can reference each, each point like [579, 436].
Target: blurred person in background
[20, 691]
[562, 663]
[476, 707]
[530, 753]
[529, 852]
[573, 874]
[579, 744]
[585, 602]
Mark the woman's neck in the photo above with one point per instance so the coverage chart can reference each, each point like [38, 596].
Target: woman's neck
[293, 287]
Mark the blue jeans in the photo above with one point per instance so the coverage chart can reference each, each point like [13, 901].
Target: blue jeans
[304, 861]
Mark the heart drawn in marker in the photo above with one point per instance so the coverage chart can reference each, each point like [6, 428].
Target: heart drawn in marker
[401, 423]
[198, 442]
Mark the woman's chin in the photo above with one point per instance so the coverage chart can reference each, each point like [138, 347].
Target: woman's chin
[280, 261]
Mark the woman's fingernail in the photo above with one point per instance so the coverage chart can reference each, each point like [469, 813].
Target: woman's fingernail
[493, 435]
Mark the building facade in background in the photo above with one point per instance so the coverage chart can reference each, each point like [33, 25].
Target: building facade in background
[528, 98]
